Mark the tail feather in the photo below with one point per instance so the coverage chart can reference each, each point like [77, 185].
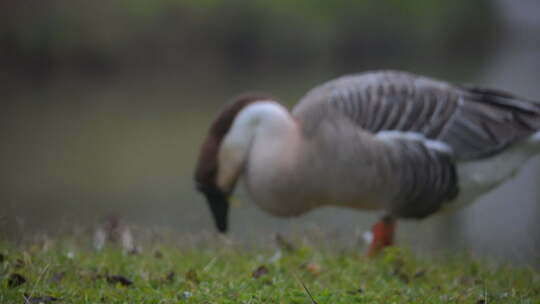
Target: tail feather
[507, 100]
[525, 113]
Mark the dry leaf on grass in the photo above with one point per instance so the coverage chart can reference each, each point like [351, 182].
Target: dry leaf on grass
[114, 279]
[259, 272]
[311, 267]
[15, 280]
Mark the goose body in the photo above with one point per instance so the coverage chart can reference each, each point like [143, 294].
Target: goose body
[395, 141]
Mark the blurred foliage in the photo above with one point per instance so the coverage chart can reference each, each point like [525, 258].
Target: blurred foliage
[240, 34]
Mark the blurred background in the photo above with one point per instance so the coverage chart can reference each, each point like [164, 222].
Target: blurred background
[104, 105]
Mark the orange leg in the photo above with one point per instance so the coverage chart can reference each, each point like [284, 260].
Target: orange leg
[383, 235]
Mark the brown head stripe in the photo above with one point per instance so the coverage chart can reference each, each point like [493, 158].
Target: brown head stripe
[207, 166]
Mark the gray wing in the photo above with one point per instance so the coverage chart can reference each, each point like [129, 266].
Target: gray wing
[474, 122]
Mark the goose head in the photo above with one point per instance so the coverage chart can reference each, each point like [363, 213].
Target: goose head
[220, 165]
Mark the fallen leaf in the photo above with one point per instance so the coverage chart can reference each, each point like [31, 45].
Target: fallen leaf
[192, 276]
[313, 268]
[170, 277]
[16, 280]
[259, 272]
[39, 300]
[114, 279]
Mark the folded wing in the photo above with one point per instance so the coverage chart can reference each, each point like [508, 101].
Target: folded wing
[474, 122]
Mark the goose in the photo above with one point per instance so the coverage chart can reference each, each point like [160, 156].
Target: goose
[404, 144]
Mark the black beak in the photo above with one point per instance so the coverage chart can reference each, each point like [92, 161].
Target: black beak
[219, 206]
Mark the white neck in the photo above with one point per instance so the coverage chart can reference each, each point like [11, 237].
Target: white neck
[265, 126]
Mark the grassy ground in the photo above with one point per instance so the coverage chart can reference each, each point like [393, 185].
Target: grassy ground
[68, 273]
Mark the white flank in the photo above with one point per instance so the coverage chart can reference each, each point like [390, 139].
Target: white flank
[477, 177]
[389, 136]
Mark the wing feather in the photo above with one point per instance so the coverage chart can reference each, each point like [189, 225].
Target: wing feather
[474, 122]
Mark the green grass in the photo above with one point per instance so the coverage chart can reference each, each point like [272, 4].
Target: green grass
[230, 274]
